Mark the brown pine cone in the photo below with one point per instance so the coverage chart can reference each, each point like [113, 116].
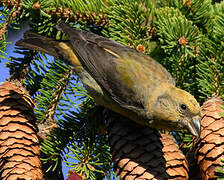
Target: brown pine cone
[176, 163]
[19, 144]
[210, 147]
[142, 153]
[75, 176]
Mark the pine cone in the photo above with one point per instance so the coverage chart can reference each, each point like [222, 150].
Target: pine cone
[176, 163]
[19, 150]
[210, 147]
[141, 153]
[75, 176]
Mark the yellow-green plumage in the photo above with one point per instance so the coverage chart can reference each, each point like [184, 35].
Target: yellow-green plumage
[123, 79]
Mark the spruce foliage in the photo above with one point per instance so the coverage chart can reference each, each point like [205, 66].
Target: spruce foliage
[185, 36]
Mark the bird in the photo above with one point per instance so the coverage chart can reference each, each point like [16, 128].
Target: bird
[122, 79]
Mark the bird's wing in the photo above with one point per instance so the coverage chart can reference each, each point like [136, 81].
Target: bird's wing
[123, 72]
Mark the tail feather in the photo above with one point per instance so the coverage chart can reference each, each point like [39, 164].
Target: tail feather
[58, 49]
[37, 42]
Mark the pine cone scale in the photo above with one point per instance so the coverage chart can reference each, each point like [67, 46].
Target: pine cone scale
[210, 148]
[19, 151]
[142, 153]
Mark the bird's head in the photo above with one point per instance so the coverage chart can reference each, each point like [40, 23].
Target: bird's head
[177, 109]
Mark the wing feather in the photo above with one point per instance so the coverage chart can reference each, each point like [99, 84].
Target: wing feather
[118, 69]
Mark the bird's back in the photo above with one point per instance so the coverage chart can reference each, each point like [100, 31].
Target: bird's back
[127, 75]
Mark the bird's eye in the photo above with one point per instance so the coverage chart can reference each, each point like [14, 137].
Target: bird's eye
[183, 106]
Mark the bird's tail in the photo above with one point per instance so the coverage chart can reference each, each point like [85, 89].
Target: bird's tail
[37, 42]
[58, 49]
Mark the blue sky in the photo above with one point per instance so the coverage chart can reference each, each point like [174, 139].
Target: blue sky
[13, 36]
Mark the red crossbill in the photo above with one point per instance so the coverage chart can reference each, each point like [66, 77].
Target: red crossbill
[122, 79]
